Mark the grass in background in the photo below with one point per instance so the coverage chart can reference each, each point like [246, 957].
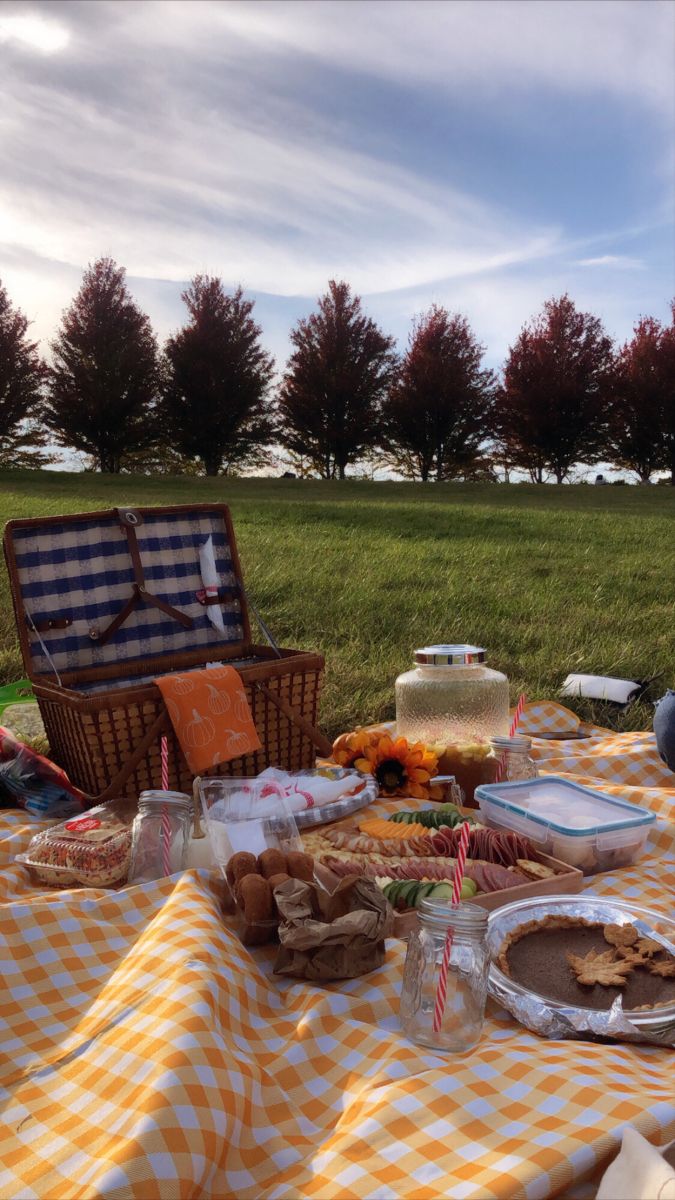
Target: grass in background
[549, 579]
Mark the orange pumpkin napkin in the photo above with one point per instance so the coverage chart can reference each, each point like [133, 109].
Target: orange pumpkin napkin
[210, 715]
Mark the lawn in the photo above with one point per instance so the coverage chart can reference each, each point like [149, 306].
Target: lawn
[549, 579]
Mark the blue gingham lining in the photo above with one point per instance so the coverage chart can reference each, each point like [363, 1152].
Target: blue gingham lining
[84, 572]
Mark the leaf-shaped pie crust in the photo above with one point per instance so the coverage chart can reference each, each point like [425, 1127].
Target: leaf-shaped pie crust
[600, 968]
[666, 968]
[620, 935]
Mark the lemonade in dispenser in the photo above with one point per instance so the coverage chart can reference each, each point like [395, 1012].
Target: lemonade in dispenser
[455, 703]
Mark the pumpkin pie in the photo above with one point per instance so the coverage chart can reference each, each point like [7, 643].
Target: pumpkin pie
[587, 964]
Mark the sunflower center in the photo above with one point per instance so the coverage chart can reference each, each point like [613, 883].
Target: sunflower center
[390, 775]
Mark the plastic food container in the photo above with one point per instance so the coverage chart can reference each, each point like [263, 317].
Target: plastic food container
[569, 822]
[247, 815]
[91, 850]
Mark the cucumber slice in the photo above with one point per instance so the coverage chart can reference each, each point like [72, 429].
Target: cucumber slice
[425, 890]
[408, 892]
[442, 891]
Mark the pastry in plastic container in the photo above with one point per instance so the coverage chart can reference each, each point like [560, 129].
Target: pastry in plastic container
[91, 850]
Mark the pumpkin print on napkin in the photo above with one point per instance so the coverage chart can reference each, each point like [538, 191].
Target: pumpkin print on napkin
[210, 715]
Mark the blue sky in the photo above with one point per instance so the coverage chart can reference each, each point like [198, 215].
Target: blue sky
[475, 154]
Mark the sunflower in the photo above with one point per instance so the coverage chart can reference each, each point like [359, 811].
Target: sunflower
[401, 769]
[350, 746]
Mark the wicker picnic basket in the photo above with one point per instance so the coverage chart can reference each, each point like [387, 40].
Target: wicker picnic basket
[107, 601]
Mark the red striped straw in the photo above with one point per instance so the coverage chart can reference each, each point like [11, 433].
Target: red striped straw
[166, 824]
[501, 765]
[442, 986]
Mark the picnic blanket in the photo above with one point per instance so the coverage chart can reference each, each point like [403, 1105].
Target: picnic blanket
[146, 1053]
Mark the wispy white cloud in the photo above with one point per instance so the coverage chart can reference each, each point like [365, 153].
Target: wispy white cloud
[181, 137]
[34, 31]
[622, 262]
[175, 171]
[594, 46]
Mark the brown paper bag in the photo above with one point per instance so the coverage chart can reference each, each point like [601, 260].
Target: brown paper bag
[336, 935]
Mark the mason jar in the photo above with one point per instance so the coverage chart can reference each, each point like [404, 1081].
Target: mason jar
[464, 1010]
[511, 757]
[454, 703]
[160, 835]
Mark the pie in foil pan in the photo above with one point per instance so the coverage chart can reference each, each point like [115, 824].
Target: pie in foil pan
[612, 932]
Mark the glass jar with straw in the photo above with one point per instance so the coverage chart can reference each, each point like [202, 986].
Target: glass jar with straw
[511, 759]
[461, 1009]
[160, 835]
[446, 969]
[161, 830]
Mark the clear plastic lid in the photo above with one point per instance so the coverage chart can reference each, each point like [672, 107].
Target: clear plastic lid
[93, 848]
[566, 807]
[247, 814]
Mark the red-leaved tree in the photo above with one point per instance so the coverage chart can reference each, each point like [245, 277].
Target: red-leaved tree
[22, 375]
[215, 405]
[552, 410]
[103, 384]
[334, 384]
[642, 394]
[438, 414]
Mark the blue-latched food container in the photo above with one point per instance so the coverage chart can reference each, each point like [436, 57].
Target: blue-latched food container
[572, 823]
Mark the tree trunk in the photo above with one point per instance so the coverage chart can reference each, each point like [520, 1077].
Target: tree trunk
[341, 470]
[212, 464]
[559, 476]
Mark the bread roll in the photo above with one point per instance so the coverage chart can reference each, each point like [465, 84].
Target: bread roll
[271, 862]
[257, 904]
[300, 866]
[241, 864]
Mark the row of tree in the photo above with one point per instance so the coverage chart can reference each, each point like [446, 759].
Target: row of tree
[206, 402]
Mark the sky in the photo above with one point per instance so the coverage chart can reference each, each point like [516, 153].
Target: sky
[476, 154]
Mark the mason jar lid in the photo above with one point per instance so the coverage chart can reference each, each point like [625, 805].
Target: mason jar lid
[449, 656]
[520, 743]
[465, 918]
[157, 796]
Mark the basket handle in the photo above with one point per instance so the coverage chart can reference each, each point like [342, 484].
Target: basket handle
[318, 739]
[159, 725]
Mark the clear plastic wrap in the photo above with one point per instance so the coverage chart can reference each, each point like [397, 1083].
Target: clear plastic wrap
[90, 850]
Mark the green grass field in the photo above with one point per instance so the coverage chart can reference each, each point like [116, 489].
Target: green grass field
[549, 579]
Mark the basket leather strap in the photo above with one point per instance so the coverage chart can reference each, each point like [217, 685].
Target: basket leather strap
[318, 739]
[139, 593]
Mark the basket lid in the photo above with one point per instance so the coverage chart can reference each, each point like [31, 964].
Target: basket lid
[124, 586]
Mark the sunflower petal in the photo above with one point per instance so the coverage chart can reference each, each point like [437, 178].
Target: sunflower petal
[417, 775]
[418, 792]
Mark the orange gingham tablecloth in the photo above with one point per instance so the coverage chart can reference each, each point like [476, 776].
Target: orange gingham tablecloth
[145, 1053]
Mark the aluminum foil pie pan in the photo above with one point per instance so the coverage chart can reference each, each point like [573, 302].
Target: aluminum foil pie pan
[554, 1019]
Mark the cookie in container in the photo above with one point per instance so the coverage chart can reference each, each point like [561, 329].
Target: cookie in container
[93, 850]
